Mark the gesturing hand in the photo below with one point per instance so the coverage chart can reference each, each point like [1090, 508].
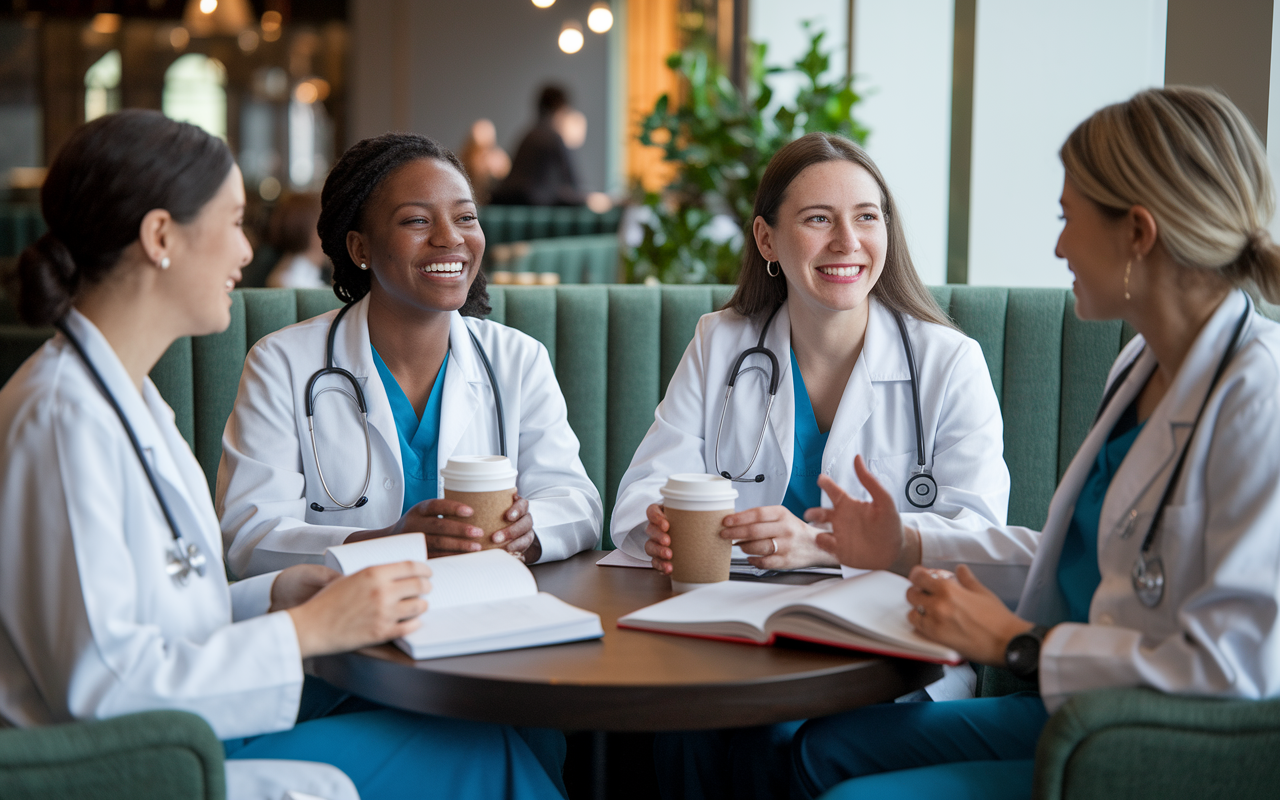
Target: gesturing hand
[958, 611]
[865, 535]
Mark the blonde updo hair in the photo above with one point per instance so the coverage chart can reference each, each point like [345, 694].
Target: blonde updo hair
[1191, 158]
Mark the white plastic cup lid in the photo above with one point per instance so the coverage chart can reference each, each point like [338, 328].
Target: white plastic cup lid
[478, 473]
[696, 487]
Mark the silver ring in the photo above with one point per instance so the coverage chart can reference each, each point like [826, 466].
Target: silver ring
[775, 547]
[920, 610]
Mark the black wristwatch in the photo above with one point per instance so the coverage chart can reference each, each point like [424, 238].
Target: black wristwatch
[1022, 656]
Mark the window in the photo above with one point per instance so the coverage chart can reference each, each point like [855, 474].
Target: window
[102, 86]
[195, 91]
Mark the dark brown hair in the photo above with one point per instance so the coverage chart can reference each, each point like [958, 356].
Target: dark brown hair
[899, 287]
[293, 220]
[110, 174]
[356, 176]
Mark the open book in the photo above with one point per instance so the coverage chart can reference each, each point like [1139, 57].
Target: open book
[867, 612]
[479, 602]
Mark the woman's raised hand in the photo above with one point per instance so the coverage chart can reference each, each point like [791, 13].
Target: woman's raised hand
[370, 607]
[865, 535]
[774, 538]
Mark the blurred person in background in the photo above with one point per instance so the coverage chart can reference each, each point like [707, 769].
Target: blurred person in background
[292, 231]
[543, 173]
[485, 161]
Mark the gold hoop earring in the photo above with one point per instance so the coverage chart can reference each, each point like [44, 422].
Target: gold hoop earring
[1127, 267]
[768, 267]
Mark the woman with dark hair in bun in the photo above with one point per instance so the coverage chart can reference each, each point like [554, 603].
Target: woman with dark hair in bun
[398, 221]
[113, 596]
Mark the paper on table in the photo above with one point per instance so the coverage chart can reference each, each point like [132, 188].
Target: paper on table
[351, 558]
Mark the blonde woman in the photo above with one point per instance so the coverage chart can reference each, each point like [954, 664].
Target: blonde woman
[1159, 565]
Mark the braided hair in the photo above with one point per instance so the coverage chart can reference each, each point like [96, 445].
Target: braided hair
[356, 176]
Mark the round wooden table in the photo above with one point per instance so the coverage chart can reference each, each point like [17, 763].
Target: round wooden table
[629, 680]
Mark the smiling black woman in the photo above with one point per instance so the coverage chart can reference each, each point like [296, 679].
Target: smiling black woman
[399, 222]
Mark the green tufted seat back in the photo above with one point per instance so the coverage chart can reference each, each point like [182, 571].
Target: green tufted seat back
[615, 347]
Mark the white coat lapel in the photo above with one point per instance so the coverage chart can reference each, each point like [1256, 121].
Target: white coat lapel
[179, 490]
[1141, 480]
[353, 352]
[461, 399]
[858, 402]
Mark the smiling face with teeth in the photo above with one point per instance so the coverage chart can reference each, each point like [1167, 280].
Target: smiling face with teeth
[421, 238]
[830, 239]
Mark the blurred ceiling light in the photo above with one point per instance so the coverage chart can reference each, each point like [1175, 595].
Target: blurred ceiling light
[306, 93]
[269, 189]
[270, 35]
[179, 37]
[271, 21]
[217, 17]
[544, 3]
[248, 40]
[571, 39]
[322, 88]
[106, 23]
[600, 18]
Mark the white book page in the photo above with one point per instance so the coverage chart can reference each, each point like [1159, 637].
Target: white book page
[351, 558]
[478, 577]
[490, 621]
[875, 604]
[728, 601]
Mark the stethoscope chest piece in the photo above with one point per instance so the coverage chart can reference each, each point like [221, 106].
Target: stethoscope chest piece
[182, 559]
[922, 490]
[1148, 580]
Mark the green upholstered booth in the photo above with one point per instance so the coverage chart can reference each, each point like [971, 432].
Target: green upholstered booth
[615, 347]
[574, 259]
[20, 225]
[154, 755]
[521, 223]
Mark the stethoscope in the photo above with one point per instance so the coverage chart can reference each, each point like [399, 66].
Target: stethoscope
[182, 557]
[921, 488]
[356, 395]
[1148, 569]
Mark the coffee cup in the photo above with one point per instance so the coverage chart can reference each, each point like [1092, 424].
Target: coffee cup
[488, 485]
[696, 505]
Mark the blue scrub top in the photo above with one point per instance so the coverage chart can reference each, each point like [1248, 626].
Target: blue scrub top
[806, 461]
[1078, 575]
[419, 439]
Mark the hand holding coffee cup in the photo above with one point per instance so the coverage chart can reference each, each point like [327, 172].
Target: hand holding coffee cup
[688, 545]
[487, 486]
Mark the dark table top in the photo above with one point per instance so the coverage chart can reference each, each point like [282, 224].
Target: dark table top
[629, 680]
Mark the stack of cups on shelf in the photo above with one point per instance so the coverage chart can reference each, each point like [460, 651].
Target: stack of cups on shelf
[488, 485]
[696, 505]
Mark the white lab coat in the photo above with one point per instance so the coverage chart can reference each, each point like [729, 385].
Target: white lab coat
[92, 625]
[963, 435]
[267, 480]
[1214, 632]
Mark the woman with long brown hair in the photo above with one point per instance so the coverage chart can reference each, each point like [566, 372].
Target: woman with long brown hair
[835, 349]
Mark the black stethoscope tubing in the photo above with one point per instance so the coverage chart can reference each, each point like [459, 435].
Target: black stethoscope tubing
[921, 488]
[357, 395]
[1147, 574]
[184, 557]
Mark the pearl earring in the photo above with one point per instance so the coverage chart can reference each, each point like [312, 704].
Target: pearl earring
[363, 265]
[1127, 267]
[164, 263]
